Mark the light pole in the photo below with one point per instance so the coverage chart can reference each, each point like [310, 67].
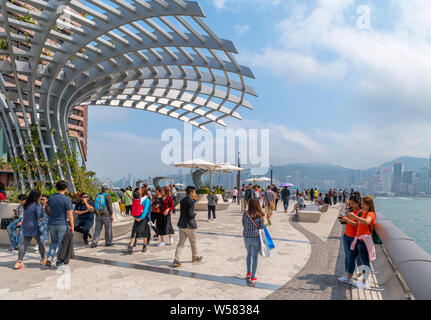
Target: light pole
[271, 174]
[238, 180]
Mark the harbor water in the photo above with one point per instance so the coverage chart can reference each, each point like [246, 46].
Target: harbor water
[410, 215]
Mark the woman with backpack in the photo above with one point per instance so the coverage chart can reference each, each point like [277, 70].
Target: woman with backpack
[141, 211]
[164, 224]
[363, 240]
[33, 214]
[252, 221]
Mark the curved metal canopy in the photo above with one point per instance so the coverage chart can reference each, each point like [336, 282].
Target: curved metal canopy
[157, 56]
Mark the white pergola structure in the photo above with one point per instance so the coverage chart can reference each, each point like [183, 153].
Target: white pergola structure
[156, 56]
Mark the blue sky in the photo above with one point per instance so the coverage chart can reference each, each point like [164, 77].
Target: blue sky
[328, 90]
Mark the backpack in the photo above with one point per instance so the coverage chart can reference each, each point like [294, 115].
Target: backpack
[100, 203]
[137, 208]
[374, 235]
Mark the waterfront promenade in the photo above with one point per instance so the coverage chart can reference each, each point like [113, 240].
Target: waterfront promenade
[305, 264]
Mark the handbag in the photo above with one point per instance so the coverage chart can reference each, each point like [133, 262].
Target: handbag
[5, 222]
[269, 240]
[264, 250]
[374, 235]
[271, 204]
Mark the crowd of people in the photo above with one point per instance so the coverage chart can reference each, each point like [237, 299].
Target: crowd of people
[43, 217]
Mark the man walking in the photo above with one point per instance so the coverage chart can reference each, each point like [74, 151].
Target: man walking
[188, 226]
[269, 202]
[249, 192]
[285, 196]
[104, 217]
[242, 198]
[128, 199]
[60, 211]
[212, 203]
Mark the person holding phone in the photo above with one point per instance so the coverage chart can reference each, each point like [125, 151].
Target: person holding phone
[349, 235]
[84, 210]
[15, 239]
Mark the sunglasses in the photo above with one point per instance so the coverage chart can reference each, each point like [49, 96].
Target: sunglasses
[85, 197]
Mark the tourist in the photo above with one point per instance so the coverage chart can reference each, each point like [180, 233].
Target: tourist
[363, 240]
[60, 212]
[174, 197]
[141, 211]
[330, 194]
[43, 225]
[300, 203]
[2, 192]
[269, 202]
[187, 225]
[127, 199]
[285, 196]
[316, 193]
[212, 203]
[344, 196]
[335, 196]
[104, 217]
[252, 221]
[33, 213]
[349, 235]
[256, 191]
[242, 198]
[155, 211]
[248, 194]
[84, 210]
[297, 194]
[312, 195]
[234, 194]
[277, 196]
[327, 199]
[15, 239]
[164, 225]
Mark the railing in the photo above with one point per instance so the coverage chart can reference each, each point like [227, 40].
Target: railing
[410, 262]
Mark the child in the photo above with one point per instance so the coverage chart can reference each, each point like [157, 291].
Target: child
[141, 211]
[15, 240]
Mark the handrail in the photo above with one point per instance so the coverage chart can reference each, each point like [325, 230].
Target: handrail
[412, 262]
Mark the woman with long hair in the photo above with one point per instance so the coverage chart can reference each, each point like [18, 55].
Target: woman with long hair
[348, 237]
[252, 221]
[156, 207]
[164, 224]
[364, 241]
[33, 214]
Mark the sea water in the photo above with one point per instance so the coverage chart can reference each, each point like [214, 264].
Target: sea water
[410, 215]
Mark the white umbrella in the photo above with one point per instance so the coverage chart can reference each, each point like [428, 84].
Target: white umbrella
[262, 179]
[227, 167]
[207, 166]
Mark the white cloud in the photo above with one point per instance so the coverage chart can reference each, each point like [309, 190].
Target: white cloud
[241, 29]
[224, 4]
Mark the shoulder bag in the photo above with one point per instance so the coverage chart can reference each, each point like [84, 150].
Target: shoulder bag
[264, 248]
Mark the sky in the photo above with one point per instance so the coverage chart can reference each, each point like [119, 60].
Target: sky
[334, 86]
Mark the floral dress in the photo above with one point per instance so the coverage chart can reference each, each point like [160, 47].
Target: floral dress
[43, 228]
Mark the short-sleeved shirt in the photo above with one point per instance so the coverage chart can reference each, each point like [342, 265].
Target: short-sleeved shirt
[88, 216]
[58, 205]
[269, 196]
[350, 230]
[363, 228]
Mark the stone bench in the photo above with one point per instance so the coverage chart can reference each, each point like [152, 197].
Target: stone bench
[310, 213]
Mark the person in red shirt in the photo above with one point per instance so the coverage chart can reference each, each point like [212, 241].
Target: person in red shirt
[348, 237]
[164, 224]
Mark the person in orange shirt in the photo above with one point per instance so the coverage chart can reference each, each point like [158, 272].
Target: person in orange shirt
[366, 221]
[348, 237]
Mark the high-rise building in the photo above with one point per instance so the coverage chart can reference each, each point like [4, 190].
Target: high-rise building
[424, 177]
[398, 175]
[386, 180]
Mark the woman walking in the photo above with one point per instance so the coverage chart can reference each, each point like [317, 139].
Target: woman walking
[252, 221]
[164, 224]
[33, 213]
[43, 225]
[348, 237]
[155, 212]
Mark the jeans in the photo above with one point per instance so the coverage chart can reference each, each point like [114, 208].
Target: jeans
[57, 234]
[84, 228]
[100, 222]
[184, 234]
[350, 256]
[211, 209]
[26, 243]
[286, 204]
[15, 240]
[252, 246]
[335, 200]
[363, 256]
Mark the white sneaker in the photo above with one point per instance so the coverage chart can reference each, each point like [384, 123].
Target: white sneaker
[161, 244]
[209, 220]
[171, 240]
[36, 248]
[361, 285]
[346, 280]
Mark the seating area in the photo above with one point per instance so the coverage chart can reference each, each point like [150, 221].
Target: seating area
[311, 213]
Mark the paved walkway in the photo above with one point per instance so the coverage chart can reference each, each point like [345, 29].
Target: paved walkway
[104, 273]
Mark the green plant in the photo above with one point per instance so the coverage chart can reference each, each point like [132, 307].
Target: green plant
[27, 18]
[204, 190]
[3, 44]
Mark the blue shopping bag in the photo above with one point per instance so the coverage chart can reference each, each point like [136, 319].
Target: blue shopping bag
[269, 240]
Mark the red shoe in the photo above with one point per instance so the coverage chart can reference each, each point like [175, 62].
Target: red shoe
[253, 280]
[248, 276]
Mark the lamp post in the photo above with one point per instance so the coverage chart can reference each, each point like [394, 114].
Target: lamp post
[271, 174]
[238, 181]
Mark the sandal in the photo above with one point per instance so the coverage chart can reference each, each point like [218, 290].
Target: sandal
[19, 265]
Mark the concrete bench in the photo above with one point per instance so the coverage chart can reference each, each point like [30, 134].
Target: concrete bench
[311, 213]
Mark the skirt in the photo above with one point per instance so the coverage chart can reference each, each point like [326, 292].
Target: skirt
[140, 229]
[164, 225]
